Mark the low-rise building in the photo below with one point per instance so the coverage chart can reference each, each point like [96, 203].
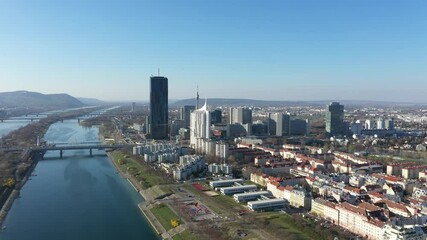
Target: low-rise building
[225, 183]
[237, 189]
[267, 204]
[411, 172]
[393, 232]
[251, 196]
[299, 197]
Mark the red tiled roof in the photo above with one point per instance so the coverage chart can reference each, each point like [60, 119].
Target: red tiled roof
[392, 178]
[369, 207]
[375, 194]
[391, 204]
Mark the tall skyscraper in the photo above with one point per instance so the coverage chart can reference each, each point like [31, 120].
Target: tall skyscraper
[389, 124]
[380, 123]
[184, 114]
[240, 115]
[216, 116]
[335, 118]
[159, 107]
[279, 124]
[133, 107]
[368, 124]
[200, 122]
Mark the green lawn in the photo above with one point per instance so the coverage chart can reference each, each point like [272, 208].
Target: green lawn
[164, 215]
[142, 173]
[185, 235]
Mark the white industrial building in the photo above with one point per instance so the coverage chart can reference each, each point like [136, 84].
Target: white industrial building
[250, 196]
[237, 189]
[267, 204]
[225, 182]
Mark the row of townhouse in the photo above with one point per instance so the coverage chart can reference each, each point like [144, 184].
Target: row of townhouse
[366, 219]
[370, 221]
[296, 195]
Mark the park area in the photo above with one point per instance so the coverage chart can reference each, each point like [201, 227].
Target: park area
[165, 216]
[142, 172]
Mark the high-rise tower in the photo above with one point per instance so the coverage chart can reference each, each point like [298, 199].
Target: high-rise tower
[197, 97]
[200, 122]
[159, 107]
[334, 118]
[184, 114]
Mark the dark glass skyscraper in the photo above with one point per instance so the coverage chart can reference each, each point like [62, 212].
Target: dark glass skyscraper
[159, 107]
[216, 116]
[335, 119]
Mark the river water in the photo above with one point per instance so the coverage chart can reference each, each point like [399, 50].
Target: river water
[8, 126]
[77, 197]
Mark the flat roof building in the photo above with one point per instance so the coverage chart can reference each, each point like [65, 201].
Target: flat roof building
[225, 183]
[250, 196]
[237, 189]
[267, 204]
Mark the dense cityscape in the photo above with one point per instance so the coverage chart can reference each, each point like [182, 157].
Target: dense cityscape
[216, 120]
[233, 171]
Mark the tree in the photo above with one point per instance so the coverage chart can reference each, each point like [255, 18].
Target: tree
[9, 182]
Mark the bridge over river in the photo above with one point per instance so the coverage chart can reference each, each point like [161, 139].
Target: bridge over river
[74, 146]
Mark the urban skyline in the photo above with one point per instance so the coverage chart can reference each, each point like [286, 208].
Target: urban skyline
[306, 50]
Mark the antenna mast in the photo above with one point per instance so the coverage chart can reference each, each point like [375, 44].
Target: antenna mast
[158, 72]
[197, 97]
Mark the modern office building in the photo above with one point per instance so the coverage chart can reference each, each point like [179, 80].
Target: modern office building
[299, 127]
[184, 114]
[389, 124]
[216, 116]
[368, 124]
[334, 118]
[200, 122]
[158, 107]
[357, 127]
[279, 124]
[380, 124]
[133, 107]
[240, 115]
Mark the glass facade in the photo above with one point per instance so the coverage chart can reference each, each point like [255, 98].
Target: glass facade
[159, 107]
[335, 118]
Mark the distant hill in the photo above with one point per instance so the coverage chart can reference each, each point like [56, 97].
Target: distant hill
[35, 99]
[239, 102]
[233, 102]
[91, 101]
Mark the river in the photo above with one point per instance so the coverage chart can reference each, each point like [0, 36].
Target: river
[77, 197]
[8, 126]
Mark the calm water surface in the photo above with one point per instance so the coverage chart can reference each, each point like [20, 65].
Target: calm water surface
[77, 197]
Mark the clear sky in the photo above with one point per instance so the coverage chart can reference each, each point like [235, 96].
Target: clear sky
[278, 50]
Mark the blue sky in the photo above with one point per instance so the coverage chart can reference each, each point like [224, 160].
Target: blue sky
[281, 50]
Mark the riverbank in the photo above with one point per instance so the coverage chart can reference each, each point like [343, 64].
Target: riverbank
[15, 192]
[143, 206]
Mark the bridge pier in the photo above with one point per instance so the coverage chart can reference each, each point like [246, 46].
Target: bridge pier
[90, 152]
[60, 153]
[78, 120]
